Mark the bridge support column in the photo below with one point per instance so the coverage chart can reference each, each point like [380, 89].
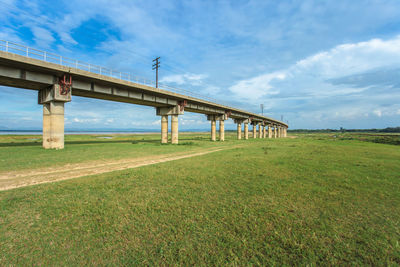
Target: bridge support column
[174, 129]
[269, 131]
[214, 118]
[239, 131]
[53, 125]
[246, 130]
[254, 130]
[174, 112]
[221, 130]
[265, 131]
[260, 130]
[53, 99]
[213, 130]
[279, 131]
[275, 133]
[285, 133]
[239, 128]
[164, 129]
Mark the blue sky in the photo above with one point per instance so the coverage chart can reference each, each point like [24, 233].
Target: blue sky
[320, 64]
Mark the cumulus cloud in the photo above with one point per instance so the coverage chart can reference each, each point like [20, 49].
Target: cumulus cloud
[181, 79]
[259, 86]
[350, 80]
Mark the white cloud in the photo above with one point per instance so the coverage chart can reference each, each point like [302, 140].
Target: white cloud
[258, 86]
[43, 37]
[180, 79]
[156, 122]
[378, 112]
[79, 120]
[308, 77]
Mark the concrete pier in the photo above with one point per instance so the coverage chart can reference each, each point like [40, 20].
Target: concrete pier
[269, 131]
[174, 129]
[53, 99]
[246, 130]
[53, 125]
[260, 130]
[275, 133]
[221, 130]
[164, 129]
[213, 130]
[254, 130]
[214, 118]
[174, 112]
[239, 131]
[265, 131]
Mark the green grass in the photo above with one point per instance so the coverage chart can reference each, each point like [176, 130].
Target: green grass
[26, 152]
[309, 200]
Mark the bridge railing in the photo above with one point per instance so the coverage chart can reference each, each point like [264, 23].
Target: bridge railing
[23, 50]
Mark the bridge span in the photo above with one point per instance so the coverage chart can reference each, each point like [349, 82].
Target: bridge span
[56, 79]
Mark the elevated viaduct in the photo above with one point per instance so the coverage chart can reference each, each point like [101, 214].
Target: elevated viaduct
[57, 78]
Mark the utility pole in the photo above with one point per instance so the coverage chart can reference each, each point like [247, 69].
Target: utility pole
[262, 109]
[281, 117]
[156, 65]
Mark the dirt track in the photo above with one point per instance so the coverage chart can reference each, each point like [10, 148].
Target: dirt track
[10, 180]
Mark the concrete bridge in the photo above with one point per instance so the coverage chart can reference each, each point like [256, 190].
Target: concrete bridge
[56, 78]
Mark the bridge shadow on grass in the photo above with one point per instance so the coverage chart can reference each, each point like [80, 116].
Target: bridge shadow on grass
[90, 142]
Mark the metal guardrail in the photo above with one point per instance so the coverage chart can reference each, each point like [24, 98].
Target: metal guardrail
[34, 53]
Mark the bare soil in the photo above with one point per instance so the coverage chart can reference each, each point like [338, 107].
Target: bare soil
[15, 179]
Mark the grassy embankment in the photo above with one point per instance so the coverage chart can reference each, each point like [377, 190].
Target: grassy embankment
[315, 199]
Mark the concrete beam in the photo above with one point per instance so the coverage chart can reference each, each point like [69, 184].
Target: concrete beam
[217, 117]
[53, 93]
[165, 111]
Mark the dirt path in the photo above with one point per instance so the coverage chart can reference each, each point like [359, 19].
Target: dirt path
[17, 179]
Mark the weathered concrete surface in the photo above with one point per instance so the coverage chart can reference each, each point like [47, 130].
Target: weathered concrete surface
[221, 130]
[174, 129]
[246, 131]
[213, 130]
[164, 129]
[53, 125]
[239, 131]
[254, 130]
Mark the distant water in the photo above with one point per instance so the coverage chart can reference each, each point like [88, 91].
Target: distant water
[5, 132]
[38, 132]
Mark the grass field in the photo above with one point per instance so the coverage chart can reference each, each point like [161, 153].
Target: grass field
[316, 199]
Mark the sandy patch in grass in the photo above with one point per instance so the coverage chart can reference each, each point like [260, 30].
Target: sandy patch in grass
[15, 179]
